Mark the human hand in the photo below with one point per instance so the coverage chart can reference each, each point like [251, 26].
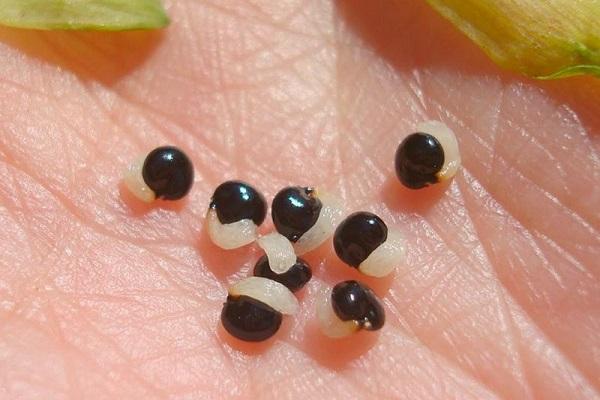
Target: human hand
[102, 297]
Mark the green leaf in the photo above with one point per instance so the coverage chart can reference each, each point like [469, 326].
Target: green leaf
[110, 15]
[544, 39]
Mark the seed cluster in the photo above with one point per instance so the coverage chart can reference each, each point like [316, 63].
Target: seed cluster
[304, 218]
[301, 217]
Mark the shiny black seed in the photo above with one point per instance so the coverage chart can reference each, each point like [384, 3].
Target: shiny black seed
[355, 301]
[418, 159]
[168, 172]
[294, 278]
[236, 200]
[295, 210]
[248, 319]
[357, 236]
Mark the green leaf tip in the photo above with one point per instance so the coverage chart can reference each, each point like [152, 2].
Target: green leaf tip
[541, 39]
[105, 15]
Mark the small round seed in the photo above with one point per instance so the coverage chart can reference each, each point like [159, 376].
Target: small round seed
[236, 209]
[295, 210]
[355, 301]
[294, 278]
[429, 156]
[418, 160]
[248, 319]
[363, 241]
[254, 307]
[237, 200]
[358, 236]
[168, 172]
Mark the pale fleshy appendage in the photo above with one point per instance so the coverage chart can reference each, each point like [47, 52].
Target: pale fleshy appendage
[331, 325]
[447, 139]
[279, 251]
[230, 236]
[385, 258]
[134, 181]
[330, 216]
[272, 293]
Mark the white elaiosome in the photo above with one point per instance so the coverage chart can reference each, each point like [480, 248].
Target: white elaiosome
[230, 236]
[385, 258]
[331, 325]
[134, 180]
[447, 139]
[270, 292]
[329, 217]
[279, 251]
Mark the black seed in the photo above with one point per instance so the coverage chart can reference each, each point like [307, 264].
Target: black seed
[168, 172]
[418, 159]
[294, 278]
[355, 301]
[237, 200]
[295, 210]
[249, 319]
[357, 236]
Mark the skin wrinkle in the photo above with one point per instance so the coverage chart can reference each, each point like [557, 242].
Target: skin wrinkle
[528, 329]
[429, 339]
[124, 356]
[114, 347]
[441, 362]
[72, 127]
[73, 388]
[533, 318]
[551, 159]
[499, 158]
[580, 267]
[357, 382]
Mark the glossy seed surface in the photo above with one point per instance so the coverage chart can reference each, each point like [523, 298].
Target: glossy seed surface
[168, 172]
[294, 279]
[248, 319]
[357, 236]
[295, 210]
[419, 158]
[354, 301]
[237, 200]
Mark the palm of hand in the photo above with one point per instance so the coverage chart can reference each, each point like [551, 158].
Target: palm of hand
[102, 297]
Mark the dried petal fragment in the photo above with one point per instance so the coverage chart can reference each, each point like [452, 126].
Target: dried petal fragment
[109, 15]
[543, 39]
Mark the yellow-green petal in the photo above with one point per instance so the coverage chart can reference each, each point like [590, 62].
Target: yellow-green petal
[112, 15]
[545, 39]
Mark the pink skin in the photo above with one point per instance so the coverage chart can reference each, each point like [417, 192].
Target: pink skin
[104, 297]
